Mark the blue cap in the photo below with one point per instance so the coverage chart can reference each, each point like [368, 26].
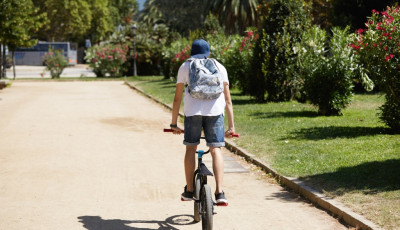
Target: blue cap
[200, 49]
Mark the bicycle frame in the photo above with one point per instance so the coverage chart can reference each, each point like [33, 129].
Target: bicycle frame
[201, 171]
[203, 203]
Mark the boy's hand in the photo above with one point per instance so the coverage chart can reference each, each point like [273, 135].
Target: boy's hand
[177, 130]
[229, 133]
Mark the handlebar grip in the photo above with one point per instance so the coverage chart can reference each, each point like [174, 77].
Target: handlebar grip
[169, 131]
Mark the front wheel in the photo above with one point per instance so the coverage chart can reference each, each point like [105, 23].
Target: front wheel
[206, 208]
[197, 186]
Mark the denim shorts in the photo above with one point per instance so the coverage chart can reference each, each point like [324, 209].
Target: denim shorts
[213, 126]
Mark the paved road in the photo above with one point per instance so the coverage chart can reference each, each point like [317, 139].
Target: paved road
[91, 155]
[23, 71]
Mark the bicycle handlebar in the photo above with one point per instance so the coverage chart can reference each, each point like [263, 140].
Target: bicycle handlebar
[170, 131]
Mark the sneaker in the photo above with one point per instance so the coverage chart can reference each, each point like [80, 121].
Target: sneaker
[221, 199]
[186, 196]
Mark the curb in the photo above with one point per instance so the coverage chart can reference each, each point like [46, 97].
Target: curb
[333, 207]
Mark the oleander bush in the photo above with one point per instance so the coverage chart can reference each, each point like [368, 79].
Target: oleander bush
[326, 69]
[378, 50]
[107, 60]
[55, 62]
[237, 56]
[174, 55]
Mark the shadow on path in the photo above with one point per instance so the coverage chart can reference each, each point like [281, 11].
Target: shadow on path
[98, 223]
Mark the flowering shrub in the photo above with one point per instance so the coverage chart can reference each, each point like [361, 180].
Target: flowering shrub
[179, 58]
[378, 49]
[55, 63]
[237, 58]
[172, 57]
[326, 71]
[107, 60]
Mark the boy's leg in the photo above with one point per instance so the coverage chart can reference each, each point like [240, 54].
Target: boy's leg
[214, 133]
[218, 167]
[193, 129]
[190, 165]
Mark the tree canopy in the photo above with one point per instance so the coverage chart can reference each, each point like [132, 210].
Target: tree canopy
[68, 20]
[76, 20]
[180, 16]
[19, 23]
[235, 15]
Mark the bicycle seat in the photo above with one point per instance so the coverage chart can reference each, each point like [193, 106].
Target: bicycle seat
[204, 170]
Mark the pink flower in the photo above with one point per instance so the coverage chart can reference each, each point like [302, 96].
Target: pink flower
[375, 44]
[360, 31]
[388, 57]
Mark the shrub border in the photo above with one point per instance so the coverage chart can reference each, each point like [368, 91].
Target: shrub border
[333, 207]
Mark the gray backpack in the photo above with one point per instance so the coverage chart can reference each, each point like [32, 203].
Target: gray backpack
[205, 79]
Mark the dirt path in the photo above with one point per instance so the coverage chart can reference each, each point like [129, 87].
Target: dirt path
[91, 155]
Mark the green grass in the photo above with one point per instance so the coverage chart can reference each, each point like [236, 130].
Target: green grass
[353, 157]
[160, 88]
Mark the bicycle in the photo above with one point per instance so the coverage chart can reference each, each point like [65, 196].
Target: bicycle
[203, 202]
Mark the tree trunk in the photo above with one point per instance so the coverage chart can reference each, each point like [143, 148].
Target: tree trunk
[1, 61]
[4, 63]
[13, 63]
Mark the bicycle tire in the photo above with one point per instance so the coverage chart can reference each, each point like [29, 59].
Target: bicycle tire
[206, 208]
[197, 186]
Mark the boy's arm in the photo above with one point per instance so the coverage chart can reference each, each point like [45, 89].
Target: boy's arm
[229, 111]
[176, 106]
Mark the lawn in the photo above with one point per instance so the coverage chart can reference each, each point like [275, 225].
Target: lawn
[354, 158]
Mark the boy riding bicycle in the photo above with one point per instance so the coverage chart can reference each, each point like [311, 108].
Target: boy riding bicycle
[206, 115]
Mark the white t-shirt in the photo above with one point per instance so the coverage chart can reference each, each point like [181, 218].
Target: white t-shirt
[194, 106]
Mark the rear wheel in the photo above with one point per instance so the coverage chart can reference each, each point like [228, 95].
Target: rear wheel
[206, 208]
[197, 186]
